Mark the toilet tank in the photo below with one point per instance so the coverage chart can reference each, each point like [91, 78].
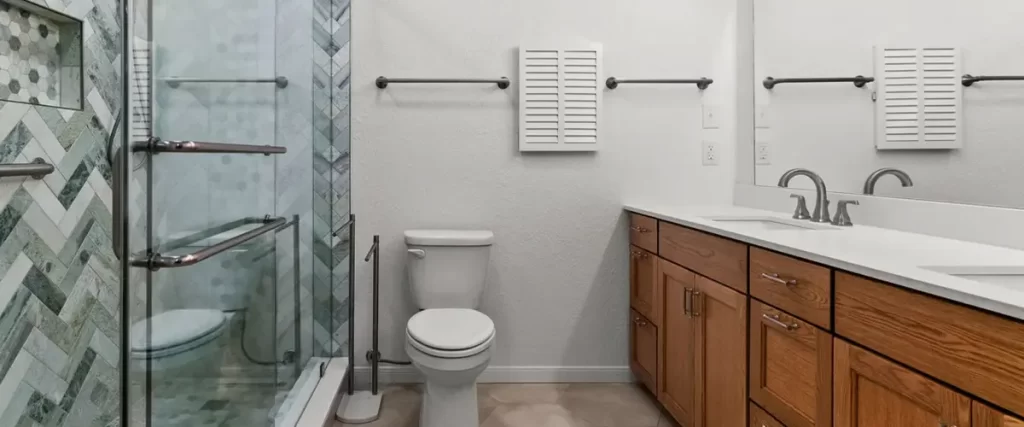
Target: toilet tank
[447, 268]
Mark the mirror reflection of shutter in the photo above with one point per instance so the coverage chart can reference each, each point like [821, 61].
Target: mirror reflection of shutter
[559, 99]
[919, 99]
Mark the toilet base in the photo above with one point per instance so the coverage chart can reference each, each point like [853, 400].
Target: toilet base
[446, 406]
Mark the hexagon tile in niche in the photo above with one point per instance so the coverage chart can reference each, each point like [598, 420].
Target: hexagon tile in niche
[29, 57]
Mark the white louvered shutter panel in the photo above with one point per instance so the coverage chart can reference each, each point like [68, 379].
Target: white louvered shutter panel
[919, 99]
[560, 99]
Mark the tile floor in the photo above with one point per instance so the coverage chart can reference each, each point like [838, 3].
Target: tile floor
[537, 405]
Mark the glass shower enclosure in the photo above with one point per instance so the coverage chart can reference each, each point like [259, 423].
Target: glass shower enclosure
[234, 195]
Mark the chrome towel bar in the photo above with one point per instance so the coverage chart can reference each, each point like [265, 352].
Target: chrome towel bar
[969, 80]
[155, 261]
[859, 81]
[37, 169]
[702, 83]
[174, 82]
[157, 145]
[382, 82]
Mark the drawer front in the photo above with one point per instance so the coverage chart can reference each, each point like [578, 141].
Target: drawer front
[643, 232]
[980, 353]
[796, 286]
[644, 350]
[983, 415]
[760, 418]
[644, 292]
[790, 367]
[722, 260]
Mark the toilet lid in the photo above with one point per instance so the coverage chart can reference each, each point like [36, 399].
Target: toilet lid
[174, 328]
[450, 328]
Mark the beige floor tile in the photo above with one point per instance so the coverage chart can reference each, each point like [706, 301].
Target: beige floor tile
[611, 405]
[400, 407]
[522, 393]
[533, 415]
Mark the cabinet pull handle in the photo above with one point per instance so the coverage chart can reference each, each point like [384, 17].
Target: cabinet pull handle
[639, 322]
[695, 298]
[774, 319]
[688, 302]
[774, 277]
[640, 229]
[644, 255]
[634, 254]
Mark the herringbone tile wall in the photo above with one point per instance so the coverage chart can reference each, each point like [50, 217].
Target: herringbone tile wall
[59, 290]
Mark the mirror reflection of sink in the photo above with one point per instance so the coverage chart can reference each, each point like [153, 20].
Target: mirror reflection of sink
[1012, 275]
[770, 223]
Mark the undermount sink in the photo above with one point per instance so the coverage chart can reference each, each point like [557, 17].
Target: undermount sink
[770, 223]
[992, 274]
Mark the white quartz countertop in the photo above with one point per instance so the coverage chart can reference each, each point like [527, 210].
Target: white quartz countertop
[887, 255]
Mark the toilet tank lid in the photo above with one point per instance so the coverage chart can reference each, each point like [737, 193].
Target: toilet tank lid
[449, 237]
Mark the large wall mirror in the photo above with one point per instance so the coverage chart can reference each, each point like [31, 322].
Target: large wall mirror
[930, 92]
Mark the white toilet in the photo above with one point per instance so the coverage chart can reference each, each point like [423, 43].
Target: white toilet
[449, 341]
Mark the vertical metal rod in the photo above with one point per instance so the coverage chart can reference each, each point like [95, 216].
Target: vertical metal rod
[351, 304]
[376, 314]
[298, 305]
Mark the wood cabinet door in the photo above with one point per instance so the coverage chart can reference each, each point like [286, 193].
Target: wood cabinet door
[871, 392]
[721, 354]
[643, 350]
[644, 296]
[987, 416]
[790, 367]
[676, 390]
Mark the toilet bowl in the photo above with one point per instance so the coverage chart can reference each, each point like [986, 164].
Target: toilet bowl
[186, 341]
[450, 347]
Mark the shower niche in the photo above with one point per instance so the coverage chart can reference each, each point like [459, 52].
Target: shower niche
[40, 56]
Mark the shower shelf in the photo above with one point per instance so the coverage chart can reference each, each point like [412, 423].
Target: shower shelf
[156, 145]
[155, 261]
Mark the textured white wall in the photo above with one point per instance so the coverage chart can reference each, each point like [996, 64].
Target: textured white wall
[830, 128]
[433, 156]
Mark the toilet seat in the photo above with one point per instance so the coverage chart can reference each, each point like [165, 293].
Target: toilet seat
[176, 331]
[450, 333]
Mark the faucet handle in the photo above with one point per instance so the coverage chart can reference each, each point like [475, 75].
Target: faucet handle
[842, 218]
[801, 207]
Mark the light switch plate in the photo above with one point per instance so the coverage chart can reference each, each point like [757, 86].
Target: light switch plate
[762, 116]
[711, 119]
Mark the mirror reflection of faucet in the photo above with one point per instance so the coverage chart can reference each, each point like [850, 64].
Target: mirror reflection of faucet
[869, 184]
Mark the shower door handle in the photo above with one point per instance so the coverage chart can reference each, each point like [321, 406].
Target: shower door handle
[117, 175]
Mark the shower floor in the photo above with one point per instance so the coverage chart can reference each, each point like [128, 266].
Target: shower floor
[211, 402]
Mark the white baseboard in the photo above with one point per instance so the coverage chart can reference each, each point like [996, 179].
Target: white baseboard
[508, 374]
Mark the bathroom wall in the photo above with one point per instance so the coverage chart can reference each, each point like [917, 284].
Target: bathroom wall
[60, 291]
[445, 156]
[831, 128]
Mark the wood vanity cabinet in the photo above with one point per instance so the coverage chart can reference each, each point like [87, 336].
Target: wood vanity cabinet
[644, 292]
[983, 415]
[676, 390]
[872, 392]
[643, 350]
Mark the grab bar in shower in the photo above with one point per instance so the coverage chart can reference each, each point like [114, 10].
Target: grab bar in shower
[37, 169]
[969, 80]
[174, 82]
[859, 81]
[156, 261]
[702, 83]
[157, 145]
[382, 82]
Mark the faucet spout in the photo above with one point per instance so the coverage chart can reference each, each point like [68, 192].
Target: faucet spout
[820, 213]
[869, 185]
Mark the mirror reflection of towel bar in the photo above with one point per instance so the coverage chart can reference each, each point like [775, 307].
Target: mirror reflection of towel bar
[969, 80]
[859, 81]
[157, 261]
[175, 82]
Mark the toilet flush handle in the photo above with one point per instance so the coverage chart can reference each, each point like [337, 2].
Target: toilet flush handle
[418, 253]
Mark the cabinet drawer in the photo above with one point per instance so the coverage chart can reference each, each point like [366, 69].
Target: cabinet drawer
[790, 367]
[722, 260]
[643, 232]
[760, 418]
[980, 353]
[983, 415]
[795, 286]
[644, 292]
[643, 358]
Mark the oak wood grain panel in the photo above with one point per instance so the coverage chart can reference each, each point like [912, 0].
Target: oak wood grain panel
[979, 353]
[790, 369]
[643, 232]
[760, 418]
[871, 391]
[644, 350]
[983, 415]
[808, 294]
[644, 292]
[722, 260]
[677, 391]
[720, 361]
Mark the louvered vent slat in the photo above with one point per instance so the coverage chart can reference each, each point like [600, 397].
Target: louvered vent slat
[560, 99]
[919, 98]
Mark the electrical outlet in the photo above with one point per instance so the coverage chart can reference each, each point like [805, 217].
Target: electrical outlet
[710, 153]
[762, 155]
[710, 118]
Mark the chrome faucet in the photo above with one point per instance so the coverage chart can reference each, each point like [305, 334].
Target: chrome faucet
[869, 185]
[821, 205]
